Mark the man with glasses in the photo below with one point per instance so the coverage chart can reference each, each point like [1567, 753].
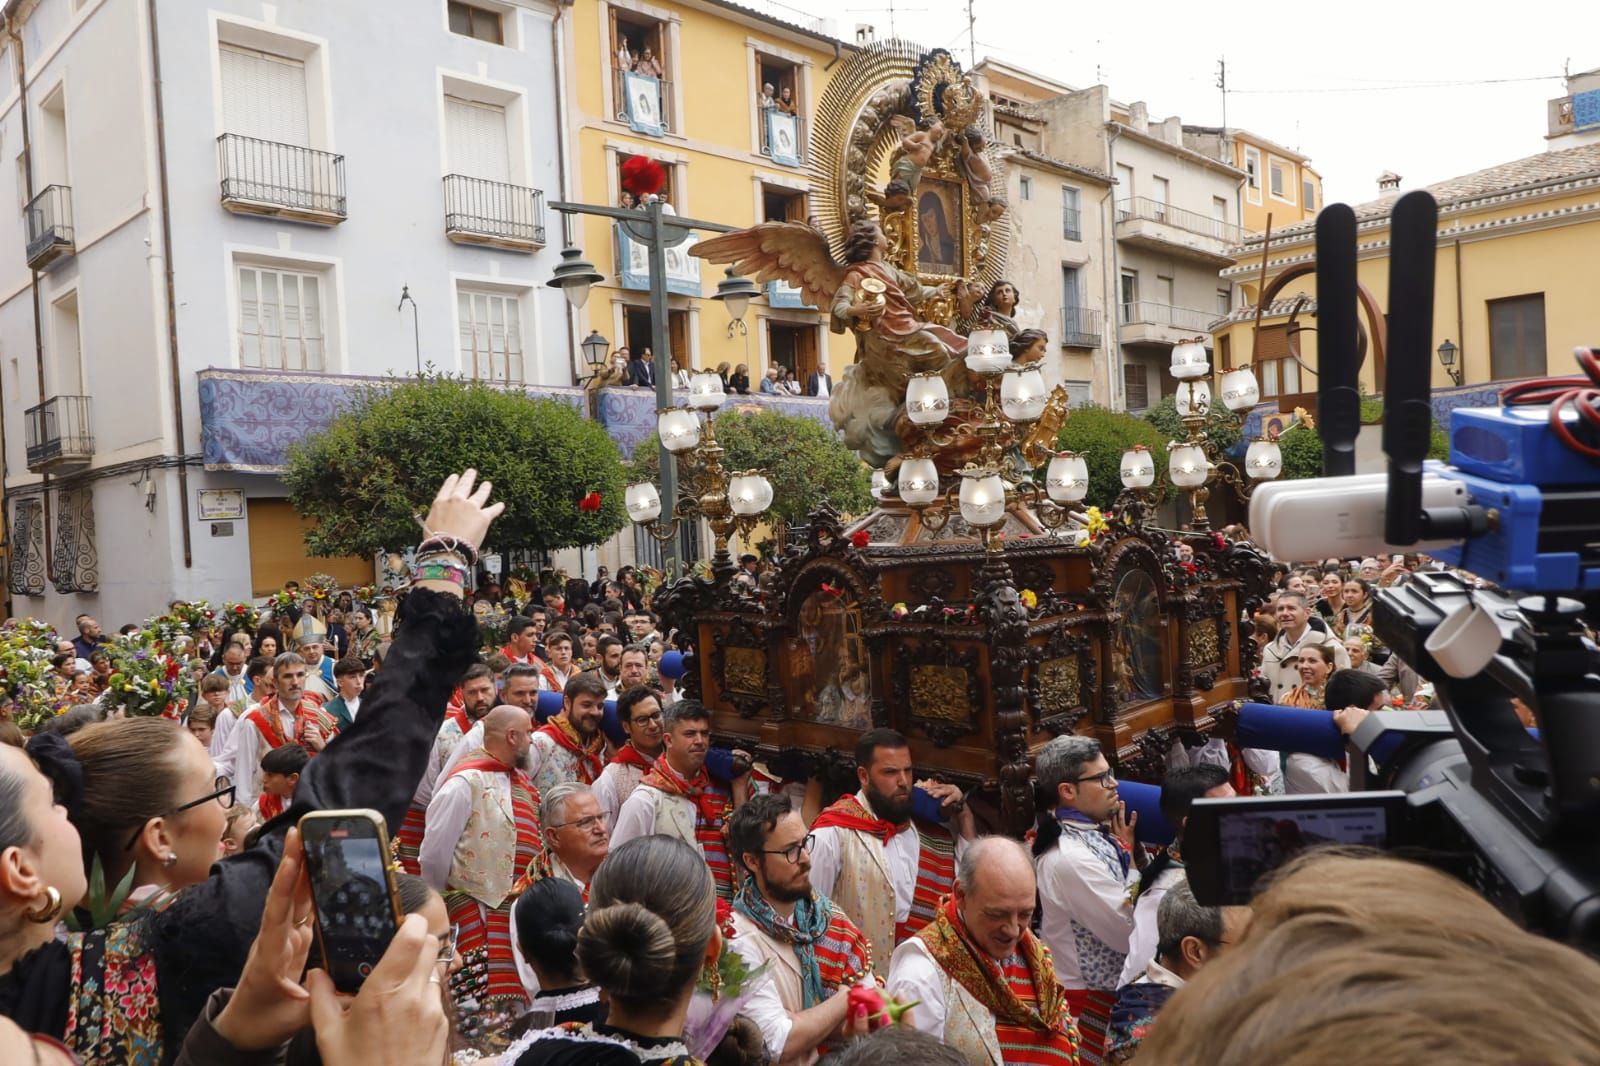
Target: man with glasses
[639, 711]
[577, 833]
[1084, 852]
[1191, 935]
[815, 953]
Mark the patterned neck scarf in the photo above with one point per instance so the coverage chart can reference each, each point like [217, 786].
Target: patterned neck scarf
[591, 756]
[811, 917]
[952, 948]
[1077, 817]
[848, 813]
[710, 807]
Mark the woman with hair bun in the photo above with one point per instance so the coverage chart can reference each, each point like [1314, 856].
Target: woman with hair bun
[650, 929]
[546, 920]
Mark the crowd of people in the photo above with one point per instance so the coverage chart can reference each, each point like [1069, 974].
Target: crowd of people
[586, 879]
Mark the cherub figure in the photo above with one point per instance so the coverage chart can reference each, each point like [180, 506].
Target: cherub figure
[974, 166]
[994, 209]
[917, 145]
[896, 196]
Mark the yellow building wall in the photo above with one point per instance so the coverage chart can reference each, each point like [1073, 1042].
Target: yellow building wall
[714, 163]
[1556, 261]
[1254, 216]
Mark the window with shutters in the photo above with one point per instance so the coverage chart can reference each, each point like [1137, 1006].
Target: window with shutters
[1025, 187]
[476, 139]
[1252, 174]
[491, 335]
[1071, 217]
[1516, 337]
[264, 96]
[1136, 386]
[1079, 393]
[1308, 194]
[1277, 372]
[281, 319]
[472, 20]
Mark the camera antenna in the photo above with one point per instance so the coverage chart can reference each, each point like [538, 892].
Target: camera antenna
[1338, 365]
[1408, 417]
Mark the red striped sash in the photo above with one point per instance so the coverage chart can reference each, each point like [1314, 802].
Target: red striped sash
[936, 877]
[1022, 1046]
[269, 806]
[843, 954]
[530, 857]
[484, 935]
[408, 842]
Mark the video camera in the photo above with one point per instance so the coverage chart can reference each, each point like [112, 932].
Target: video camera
[1513, 811]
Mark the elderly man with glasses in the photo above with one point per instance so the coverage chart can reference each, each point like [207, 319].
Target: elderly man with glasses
[816, 953]
[1084, 854]
[577, 833]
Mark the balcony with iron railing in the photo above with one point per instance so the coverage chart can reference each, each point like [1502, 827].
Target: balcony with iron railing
[281, 180]
[654, 111]
[493, 213]
[1159, 227]
[1080, 327]
[59, 434]
[50, 231]
[1148, 322]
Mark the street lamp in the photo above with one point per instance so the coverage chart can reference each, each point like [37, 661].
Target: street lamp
[735, 293]
[1447, 359]
[574, 276]
[595, 348]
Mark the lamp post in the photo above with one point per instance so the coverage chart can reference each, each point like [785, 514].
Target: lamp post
[1192, 463]
[657, 230]
[735, 293]
[1447, 359]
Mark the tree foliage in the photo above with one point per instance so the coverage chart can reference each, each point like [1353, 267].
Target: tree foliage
[806, 462]
[1101, 435]
[381, 461]
[1302, 446]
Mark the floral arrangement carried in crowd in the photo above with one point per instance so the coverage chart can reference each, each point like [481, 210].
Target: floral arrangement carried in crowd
[321, 587]
[144, 682]
[196, 616]
[241, 616]
[720, 993]
[28, 684]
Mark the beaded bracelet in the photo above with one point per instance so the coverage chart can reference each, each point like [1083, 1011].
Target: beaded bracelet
[450, 544]
[455, 574]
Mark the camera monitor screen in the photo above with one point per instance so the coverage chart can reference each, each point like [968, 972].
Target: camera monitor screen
[1230, 844]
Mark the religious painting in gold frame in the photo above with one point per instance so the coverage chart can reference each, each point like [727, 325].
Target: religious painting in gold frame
[940, 230]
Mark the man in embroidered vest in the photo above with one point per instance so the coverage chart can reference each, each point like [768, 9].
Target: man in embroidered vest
[482, 844]
[520, 639]
[814, 951]
[292, 716]
[577, 833]
[519, 687]
[477, 700]
[986, 985]
[570, 746]
[1191, 936]
[608, 668]
[639, 711]
[1179, 789]
[557, 669]
[1087, 879]
[677, 797]
[884, 868]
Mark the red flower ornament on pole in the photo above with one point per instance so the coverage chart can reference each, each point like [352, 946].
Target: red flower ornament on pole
[590, 503]
[642, 176]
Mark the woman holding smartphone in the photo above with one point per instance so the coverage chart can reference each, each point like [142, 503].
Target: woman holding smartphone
[144, 798]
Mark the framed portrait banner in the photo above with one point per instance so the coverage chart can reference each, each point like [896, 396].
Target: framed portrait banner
[939, 225]
[633, 264]
[644, 103]
[783, 137]
[781, 294]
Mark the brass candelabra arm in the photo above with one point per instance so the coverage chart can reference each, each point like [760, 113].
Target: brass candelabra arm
[687, 509]
[1050, 514]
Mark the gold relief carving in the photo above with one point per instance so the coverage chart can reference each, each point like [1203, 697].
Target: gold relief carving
[940, 692]
[1059, 686]
[744, 671]
[1203, 645]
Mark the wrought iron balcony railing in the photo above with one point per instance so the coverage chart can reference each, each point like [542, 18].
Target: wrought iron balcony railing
[268, 178]
[477, 211]
[58, 433]
[50, 232]
[1080, 327]
[1191, 221]
[1157, 314]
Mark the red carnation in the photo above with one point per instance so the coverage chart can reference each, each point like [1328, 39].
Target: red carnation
[642, 176]
[1219, 540]
[860, 538]
[591, 502]
[832, 590]
[1189, 568]
[239, 609]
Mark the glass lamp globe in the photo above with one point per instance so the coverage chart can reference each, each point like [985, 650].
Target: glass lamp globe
[1187, 466]
[1193, 399]
[705, 390]
[927, 399]
[762, 488]
[1263, 460]
[643, 502]
[679, 429]
[742, 495]
[1022, 393]
[1138, 468]
[919, 481]
[1239, 389]
[983, 498]
[1189, 360]
[988, 351]
[880, 484]
[1066, 479]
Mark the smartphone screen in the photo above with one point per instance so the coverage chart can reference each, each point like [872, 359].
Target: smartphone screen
[351, 891]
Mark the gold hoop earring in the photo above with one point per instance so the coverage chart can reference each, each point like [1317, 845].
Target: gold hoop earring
[51, 909]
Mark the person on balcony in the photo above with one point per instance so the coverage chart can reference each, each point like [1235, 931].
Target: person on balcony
[648, 64]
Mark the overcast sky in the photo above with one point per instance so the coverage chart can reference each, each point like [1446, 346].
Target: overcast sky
[1282, 73]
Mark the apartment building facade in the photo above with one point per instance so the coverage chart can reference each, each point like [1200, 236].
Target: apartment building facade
[221, 206]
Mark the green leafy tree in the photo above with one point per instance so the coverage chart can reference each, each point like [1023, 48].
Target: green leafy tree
[381, 461]
[1101, 435]
[806, 462]
[1302, 446]
[1220, 429]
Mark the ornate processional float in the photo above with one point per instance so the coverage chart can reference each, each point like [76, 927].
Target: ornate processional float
[976, 609]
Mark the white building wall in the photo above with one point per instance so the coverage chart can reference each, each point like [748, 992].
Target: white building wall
[378, 102]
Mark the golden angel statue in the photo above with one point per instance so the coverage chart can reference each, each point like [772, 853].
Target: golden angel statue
[865, 294]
